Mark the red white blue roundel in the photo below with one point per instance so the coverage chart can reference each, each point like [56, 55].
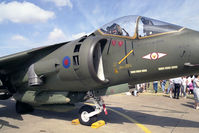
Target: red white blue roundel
[66, 62]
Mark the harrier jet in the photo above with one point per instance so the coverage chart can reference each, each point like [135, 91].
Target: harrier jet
[131, 49]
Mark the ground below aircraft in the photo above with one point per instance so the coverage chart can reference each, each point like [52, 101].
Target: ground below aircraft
[131, 49]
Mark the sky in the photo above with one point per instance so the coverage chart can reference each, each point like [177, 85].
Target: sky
[26, 24]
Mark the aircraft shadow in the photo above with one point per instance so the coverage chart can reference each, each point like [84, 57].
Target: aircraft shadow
[69, 116]
[150, 119]
[8, 110]
[143, 117]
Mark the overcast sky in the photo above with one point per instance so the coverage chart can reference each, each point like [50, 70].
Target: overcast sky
[26, 24]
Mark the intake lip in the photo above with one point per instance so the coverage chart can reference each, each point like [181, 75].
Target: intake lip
[96, 42]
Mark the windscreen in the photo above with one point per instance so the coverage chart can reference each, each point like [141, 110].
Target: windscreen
[124, 26]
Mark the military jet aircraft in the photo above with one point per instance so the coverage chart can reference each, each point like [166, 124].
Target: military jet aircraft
[131, 49]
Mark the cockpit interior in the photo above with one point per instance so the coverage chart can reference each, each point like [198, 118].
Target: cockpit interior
[132, 26]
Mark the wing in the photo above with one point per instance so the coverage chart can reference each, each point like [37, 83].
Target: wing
[10, 62]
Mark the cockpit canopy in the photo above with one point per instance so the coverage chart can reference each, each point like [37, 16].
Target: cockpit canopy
[126, 26]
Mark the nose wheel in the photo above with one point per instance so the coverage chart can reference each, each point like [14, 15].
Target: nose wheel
[84, 118]
[88, 115]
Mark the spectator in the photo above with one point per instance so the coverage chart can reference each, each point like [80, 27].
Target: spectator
[144, 87]
[184, 86]
[133, 89]
[190, 84]
[140, 90]
[163, 83]
[170, 88]
[148, 84]
[155, 86]
[137, 88]
[196, 91]
[177, 83]
[191, 87]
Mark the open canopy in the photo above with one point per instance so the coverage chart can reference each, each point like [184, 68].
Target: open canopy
[130, 25]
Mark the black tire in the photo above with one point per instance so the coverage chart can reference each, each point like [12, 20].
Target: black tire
[5, 96]
[87, 109]
[23, 108]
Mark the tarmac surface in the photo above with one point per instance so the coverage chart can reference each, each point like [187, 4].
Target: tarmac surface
[126, 114]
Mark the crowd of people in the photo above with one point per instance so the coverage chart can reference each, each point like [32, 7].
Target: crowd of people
[181, 86]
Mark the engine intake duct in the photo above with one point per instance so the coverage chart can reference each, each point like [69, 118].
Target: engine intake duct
[96, 66]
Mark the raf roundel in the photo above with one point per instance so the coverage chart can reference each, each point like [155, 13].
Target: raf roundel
[66, 62]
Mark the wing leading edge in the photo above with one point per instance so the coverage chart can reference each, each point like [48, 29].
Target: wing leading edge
[11, 62]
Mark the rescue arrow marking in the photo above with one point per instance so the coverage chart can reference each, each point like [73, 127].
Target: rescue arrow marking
[125, 57]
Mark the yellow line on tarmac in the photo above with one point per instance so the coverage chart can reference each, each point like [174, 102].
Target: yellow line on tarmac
[125, 57]
[145, 129]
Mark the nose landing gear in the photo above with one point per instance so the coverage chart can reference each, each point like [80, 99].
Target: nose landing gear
[88, 115]
[84, 117]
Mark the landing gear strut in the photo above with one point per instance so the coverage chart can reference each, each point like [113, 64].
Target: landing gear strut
[87, 114]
